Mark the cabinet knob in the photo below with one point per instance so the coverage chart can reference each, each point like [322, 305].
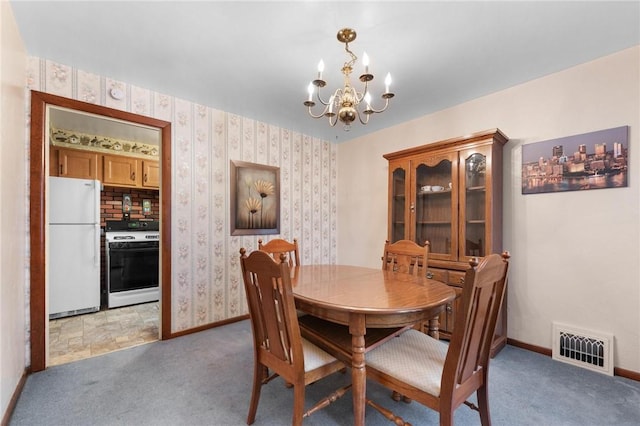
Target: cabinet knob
[412, 207]
[429, 274]
[461, 280]
[133, 176]
[449, 308]
[144, 177]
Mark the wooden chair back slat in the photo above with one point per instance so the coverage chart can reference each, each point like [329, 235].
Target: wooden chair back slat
[470, 345]
[268, 288]
[406, 256]
[278, 246]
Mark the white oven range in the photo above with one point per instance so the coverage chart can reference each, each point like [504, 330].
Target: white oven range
[132, 262]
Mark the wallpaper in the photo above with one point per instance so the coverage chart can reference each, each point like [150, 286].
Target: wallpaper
[206, 281]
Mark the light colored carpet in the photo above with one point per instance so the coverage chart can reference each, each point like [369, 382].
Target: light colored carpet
[205, 379]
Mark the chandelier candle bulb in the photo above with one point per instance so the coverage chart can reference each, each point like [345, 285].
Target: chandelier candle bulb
[365, 62]
[320, 69]
[387, 82]
[310, 90]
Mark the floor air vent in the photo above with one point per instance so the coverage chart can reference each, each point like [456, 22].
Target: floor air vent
[586, 349]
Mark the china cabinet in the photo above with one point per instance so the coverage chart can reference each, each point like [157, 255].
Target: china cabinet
[450, 193]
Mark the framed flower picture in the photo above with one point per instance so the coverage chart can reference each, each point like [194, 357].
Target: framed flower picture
[255, 199]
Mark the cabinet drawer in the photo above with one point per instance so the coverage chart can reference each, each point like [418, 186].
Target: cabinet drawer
[456, 278]
[438, 274]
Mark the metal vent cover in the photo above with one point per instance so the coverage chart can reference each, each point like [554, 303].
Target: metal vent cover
[587, 349]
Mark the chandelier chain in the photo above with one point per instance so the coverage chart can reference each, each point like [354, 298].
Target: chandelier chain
[354, 58]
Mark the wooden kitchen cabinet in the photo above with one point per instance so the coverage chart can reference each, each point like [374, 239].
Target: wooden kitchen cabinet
[150, 174]
[74, 163]
[450, 193]
[121, 171]
[113, 170]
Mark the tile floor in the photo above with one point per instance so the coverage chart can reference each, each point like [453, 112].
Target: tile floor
[85, 336]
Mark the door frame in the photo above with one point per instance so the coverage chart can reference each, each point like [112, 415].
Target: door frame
[37, 215]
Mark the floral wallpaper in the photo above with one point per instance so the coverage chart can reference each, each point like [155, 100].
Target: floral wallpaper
[206, 280]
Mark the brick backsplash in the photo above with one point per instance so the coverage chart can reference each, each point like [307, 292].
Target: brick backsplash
[111, 203]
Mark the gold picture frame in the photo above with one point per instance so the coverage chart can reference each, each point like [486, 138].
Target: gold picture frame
[255, 198]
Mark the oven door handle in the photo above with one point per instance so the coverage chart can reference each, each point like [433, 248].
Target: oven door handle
[96, 246]
[132, 250]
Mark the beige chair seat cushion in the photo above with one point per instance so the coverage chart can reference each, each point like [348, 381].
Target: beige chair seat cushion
[414, 358]
[314, 357]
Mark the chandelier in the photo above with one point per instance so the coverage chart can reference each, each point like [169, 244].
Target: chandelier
[346, 103]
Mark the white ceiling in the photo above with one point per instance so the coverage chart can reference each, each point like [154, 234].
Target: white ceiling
[257, 58]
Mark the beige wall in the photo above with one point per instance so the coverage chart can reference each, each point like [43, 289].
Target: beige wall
[13, 179]
[576, 255]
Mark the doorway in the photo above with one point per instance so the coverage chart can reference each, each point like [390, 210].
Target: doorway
[38, 213]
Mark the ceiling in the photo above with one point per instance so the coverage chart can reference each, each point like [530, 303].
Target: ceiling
[256, 59]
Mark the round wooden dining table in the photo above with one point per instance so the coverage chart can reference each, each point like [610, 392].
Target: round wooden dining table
[367, 298]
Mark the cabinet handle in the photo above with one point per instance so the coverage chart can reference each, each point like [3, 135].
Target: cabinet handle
[449, 308]
[144, 178]
[429, 275]
[412, 207]
[462, 280]
[133, 176]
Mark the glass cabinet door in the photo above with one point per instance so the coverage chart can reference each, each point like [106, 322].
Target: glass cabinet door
[474, 204]
[398, 204]
[435, 206]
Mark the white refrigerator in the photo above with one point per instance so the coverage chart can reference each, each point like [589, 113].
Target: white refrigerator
[74, 246]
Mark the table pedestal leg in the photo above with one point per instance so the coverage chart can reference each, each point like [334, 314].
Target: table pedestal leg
[434, 328]
[357, 330]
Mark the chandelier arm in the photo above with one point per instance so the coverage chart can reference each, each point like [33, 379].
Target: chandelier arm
[319, 115]
[360, 95]
[373, 110]
[322, 101]
[333, 122]
[360, 118]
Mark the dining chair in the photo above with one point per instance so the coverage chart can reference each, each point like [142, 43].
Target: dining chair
[277, 246]
[406, 256]
[278, 345]
[442, 376]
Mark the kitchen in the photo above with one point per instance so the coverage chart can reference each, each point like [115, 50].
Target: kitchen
[104, 235]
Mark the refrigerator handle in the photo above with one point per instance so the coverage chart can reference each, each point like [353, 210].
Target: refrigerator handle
[97, 188]
[96, 254]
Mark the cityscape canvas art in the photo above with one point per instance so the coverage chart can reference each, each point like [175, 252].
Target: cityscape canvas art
[593, 160]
